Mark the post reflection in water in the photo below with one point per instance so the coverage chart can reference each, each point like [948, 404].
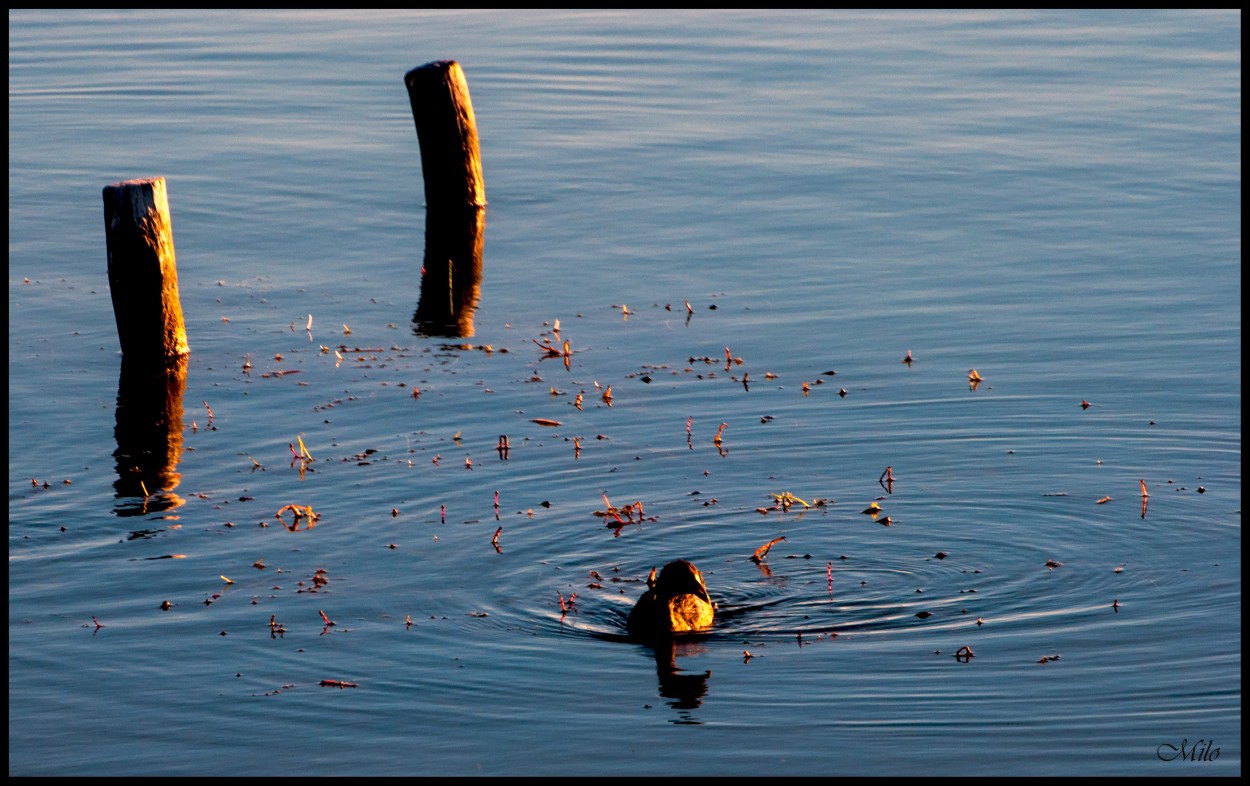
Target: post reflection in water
[451, 280]
[149, 435]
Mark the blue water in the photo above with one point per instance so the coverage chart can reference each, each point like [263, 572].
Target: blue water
[1050, 198]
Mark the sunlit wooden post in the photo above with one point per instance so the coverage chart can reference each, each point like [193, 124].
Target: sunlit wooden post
[455, 198]
[143, 278]
[447, 132]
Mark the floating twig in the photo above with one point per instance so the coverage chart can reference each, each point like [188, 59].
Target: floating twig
[762, 551]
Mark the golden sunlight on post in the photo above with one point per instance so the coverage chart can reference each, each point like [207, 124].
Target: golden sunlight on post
[143, 278]
[447, 132]
[455, 199]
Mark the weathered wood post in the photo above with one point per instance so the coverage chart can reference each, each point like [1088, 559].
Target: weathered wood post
[143, 281]
[447, 132]
[143, 278]
[455, 198]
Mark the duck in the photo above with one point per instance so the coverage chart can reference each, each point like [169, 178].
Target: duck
[676, 602]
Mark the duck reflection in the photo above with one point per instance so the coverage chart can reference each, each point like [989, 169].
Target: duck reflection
[451, 280]
[149, 435]
[685, 689]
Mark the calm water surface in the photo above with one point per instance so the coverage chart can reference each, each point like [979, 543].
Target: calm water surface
[1052, 199]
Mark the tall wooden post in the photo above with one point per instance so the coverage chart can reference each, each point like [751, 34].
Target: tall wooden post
[455, 198]
[143, 278]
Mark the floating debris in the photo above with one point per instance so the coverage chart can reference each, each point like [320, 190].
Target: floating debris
[785, 499]
[301, 513]
[762, 551]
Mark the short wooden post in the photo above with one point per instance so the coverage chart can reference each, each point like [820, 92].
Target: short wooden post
[455, 198]
[447, 132]
[143, 278]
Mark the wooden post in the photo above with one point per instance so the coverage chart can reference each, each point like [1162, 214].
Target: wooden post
[447, 132]
[143, 278]
[455, 198]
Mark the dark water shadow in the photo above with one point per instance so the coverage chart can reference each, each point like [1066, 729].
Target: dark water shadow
[685, 690]
[451, 278]
[149, 437]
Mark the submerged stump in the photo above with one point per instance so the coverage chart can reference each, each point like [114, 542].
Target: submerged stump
[143, 278]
